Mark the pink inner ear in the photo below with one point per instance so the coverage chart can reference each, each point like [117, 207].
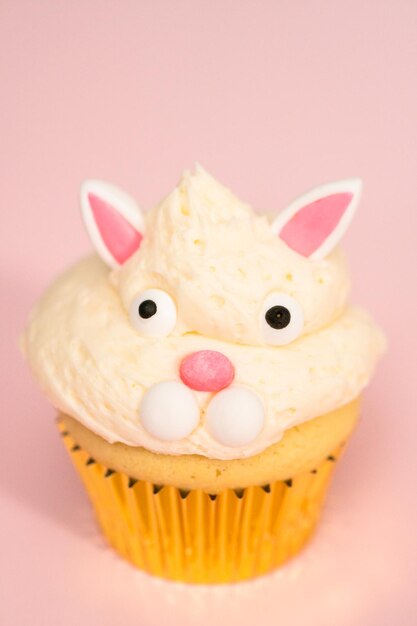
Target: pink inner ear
[309, 228]
[119, 236]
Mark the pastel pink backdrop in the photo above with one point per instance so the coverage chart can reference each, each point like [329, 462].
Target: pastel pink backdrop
[272, 97]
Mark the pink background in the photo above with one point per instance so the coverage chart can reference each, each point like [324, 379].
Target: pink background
[272, 97]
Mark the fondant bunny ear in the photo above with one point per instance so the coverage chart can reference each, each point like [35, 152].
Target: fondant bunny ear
[315, 223]
[113, 221]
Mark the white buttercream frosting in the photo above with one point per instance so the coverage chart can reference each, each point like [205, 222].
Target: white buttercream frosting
[219, 262]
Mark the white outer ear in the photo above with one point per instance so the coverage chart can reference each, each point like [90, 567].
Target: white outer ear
[119, 234]
[326, 236]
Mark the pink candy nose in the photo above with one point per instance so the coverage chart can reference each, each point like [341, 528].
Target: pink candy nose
[206, 370]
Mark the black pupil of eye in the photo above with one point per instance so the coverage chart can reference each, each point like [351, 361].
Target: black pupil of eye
[278, 317]
[147, 308]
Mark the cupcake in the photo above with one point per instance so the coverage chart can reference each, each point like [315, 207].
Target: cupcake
[207, 372]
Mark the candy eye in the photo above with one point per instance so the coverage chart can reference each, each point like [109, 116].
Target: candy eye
[282, 319]
[153, 313]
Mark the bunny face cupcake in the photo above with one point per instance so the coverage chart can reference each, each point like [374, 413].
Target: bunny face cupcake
[207, 335]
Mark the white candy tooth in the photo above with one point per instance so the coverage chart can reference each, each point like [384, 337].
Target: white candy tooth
[235, 416]
[169, 411]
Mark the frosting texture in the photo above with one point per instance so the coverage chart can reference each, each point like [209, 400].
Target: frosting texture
[221, 266]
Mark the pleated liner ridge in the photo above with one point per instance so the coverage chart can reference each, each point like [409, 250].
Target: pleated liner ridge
[196, 537]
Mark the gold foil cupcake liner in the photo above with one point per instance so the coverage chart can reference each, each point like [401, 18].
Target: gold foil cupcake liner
[197, 537]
